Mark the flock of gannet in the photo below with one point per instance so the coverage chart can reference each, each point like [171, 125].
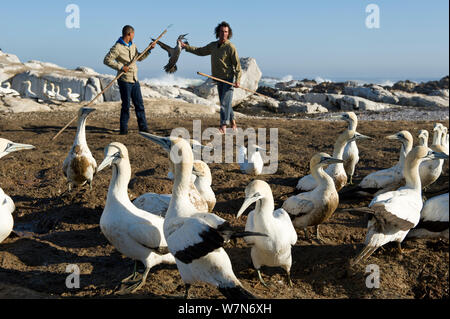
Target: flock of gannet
[180, 228]
[51, 95]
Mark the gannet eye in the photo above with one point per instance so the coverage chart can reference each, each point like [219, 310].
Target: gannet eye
[9, 145]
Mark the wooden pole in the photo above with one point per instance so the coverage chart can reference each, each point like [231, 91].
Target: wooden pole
[136, 57]
[232, 84]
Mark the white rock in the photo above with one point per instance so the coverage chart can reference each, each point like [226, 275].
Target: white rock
[19, 105]
[374, 93]
[301, 107]
[421, 100]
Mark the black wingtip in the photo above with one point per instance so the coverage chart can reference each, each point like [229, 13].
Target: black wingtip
[236, 293]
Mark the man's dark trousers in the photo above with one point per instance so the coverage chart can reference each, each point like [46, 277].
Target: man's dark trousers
[131, 91]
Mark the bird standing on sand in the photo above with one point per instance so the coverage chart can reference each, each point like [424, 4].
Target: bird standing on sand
[393, 214]
[351, 152]
[28, 93]
[315, 207]
[197, 239]
[174, 53]
[80, 166]
[132, 231]
[7, 206]
[430, 170]
[252, 163]
[73, 97]
[275, 249]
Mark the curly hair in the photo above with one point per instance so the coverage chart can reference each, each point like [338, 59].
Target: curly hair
[223, 24]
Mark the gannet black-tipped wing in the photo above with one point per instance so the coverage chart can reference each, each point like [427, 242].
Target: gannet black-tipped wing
[164, 46]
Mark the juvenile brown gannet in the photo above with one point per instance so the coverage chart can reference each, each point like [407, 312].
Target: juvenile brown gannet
[433, 219]
[275, 249]
[7, 206]
[430, 170]
[315, 207]
[386, 179]
[80, 166]
[393, 214]
[351, 152]
[132, 231]
[336, 171]
[250, 164]
[174, 54]
[197, 239]
[73, 97]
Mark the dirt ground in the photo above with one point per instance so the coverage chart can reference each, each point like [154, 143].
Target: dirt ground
[56, 228]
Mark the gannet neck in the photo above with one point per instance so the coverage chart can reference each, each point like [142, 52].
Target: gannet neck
[352, 124]
[339, 145]
[321, 177]
[266, 206]
[437, 137]
[411, 174]
[118, 187]
[80, 137]
[404, 151]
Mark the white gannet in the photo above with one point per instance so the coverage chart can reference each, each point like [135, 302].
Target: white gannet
[80, 166]
[73, 97]
[48, 94]
[433, 219]
[393, 214]
[174, 54]
[203, 183]
[250, 164]
[58, 96]
[6, 203]
[430, 170]
[275, 249]
[351, 152]
[197, 239]
[28, 93]
[132, 231]
[386, 179]
[7, 91]
[336, 171]
[314, 207]
[444, 140]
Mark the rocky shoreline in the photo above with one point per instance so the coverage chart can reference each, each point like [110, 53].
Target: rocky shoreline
[405, 100]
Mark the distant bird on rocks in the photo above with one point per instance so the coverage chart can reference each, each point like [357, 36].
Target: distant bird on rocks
[58, 96]
[7, 206]
[80, 166]
[174, 54]
[252, 163]
[7, 91]
[73, 97]
[28, 93]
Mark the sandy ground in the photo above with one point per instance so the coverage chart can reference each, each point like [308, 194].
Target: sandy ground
[59, 228]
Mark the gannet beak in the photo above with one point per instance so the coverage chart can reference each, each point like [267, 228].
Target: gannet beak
[165, 142]
[359, 136]
[331, 160]
[436, 155]
[247, 202]
[393, 137]
[107, 161]
[13, 147]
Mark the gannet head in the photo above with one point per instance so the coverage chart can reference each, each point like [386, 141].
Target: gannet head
[422, 153]
[423, 137]
[254, 191]
[6, 147]
[182, 36]
[85, 111]
[115, 152]
[403, 136]
[438, 126]
[358, 136]
[323, 159]
[201, 169]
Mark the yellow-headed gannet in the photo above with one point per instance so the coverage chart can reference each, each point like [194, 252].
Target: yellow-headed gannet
[275, 249]
[203, 183]
[430, 170]
[433, 219]
[351, 152]
[336, 171]
[444, 141]
[250, 164]
[28, 93]
[6, 203]
[393, 214]
[80, 166]
[48, 94]
[73, 97]
[197, 239]
[132, 231]
[7, 91]
[58, 96]
[314, 207]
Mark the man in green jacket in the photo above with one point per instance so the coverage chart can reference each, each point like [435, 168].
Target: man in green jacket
[119, 57]
[225, 65]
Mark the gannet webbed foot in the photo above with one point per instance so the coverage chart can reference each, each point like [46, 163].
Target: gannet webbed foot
[288, 278]
[261, 280]
[133, 283]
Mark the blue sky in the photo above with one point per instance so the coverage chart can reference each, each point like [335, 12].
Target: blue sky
[325, 38]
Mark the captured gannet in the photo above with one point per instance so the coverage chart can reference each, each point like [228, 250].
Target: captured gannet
[7, 91]
[351, 152]
[393, 214]
[73, 97]
[28, 93]
[199, 195]
[433, 219]
[132, 231]
[430, 170]
[174, 54]
[275, 249]
[250, 164]
[6, 203]
[315, 207]
[336, 171]
[80, 166]
[197, 239]
[386, 179]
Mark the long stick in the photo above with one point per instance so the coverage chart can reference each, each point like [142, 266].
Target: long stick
[136, 57]
[232, 84]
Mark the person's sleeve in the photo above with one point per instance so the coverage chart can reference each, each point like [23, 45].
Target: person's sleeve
[206, 50]
[110, 59]
[236, 65]
[144, 56]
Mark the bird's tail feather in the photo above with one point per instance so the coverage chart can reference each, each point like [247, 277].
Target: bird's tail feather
[237, 292]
